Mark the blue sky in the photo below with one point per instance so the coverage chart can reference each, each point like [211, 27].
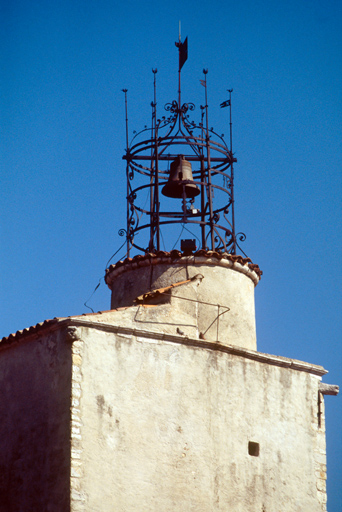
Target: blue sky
[63, 136]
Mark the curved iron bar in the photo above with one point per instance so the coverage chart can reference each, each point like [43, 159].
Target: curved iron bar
[217, 210]
[242, 239]
[141, 169]
[215, 170]
[133, 209]
[130, 173]
[220, 137]
[165, 121]
[184, 137]
[187, 139]
[172, 120]
[226, 219]
[197, 222]
[155, 149]
[223, 242]
[230, 242]
[189, 134]
[171, 107]
[215, 186]
[142, 249]
[136, 134]
[195, 142]
[216, 216]
[217, 233]
[180, 112]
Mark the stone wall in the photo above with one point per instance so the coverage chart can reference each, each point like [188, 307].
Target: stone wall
[98, 416]
[219, 297]
[35, 380]
[163, 426]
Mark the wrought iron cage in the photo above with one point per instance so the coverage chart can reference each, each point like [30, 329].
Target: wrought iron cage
[204, 203]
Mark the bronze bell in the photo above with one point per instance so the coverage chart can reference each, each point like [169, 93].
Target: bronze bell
[180, 175]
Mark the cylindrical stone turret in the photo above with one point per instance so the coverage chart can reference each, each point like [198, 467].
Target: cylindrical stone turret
[215, 291]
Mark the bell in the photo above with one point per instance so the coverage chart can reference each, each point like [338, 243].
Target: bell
[180, 176]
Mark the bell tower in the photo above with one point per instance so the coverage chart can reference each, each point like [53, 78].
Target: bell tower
[180, 181]
[163, 402]
[251, 424]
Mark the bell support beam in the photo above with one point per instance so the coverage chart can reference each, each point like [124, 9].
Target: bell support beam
[168, 158]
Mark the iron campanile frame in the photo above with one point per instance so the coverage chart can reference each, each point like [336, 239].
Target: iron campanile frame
[148, 158]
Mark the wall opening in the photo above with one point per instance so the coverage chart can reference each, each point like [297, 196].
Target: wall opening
[253, 449]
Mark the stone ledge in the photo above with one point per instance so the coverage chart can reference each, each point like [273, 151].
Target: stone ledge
[82, 321]
[284, 362]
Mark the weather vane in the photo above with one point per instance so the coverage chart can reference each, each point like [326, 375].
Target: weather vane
[180, 174]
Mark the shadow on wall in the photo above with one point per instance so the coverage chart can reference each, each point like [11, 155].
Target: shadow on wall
[35, 383]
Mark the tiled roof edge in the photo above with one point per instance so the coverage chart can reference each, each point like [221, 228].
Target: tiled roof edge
[85, 321]
[30, 331]
[46, 325]
[293, 364]
[141, 260]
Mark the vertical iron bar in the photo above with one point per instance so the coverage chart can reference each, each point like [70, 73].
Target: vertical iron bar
[156, 188]
[232, 171]
[179, 46]
[210, 201]
[203, 203]
[179, 82]
[202, 184]
[184, 203]
[152, 192]
[127, 179]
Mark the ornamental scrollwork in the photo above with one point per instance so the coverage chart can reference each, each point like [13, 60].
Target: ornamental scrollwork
[216, 217]
[187, 106]
[132, 197]
[171, 107]
[241, 236]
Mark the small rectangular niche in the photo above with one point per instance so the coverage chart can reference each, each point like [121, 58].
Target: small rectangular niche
[253, 449]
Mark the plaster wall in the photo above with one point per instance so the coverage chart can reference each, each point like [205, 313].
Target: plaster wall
[166, 427]
[220, 300]
[35, 380]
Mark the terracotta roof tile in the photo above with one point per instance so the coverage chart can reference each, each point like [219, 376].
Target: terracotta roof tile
[28, 331]
[136, 260]
[175, 254]
[47, 324]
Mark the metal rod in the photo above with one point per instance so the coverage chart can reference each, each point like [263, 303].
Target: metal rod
[127, 179]
[166, 140]
[184, 203]
[154, 124]
[232, 170]
[156, 189]
[179, 81]
[210, 200]
[170, 158]
[203, 204]
[203, 181]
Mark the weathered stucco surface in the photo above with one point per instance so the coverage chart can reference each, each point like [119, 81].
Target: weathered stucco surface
[160, 406]
[35, 382]
[163, 426]
[102, 417]
[219, 302]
